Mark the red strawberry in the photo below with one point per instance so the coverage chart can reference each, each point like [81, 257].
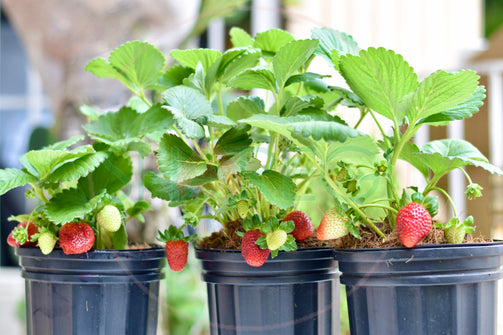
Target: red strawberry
[332, 226]
[176, 253]
[76, 238]
[253, 255]
[303, 226]
[413, 223]
[32, 229]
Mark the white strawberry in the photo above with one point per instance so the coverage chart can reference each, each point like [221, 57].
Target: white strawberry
[109, 218]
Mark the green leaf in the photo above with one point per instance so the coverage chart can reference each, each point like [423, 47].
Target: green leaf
[303, 77]
[192, 57]
[138, 65]
[127, 125]
[240, 38]
[90, 112]
[355, 150]
[235, 163]
[331, 40]
[439, 92]
[380, 78]
[234, 140]
[272, 40]
[119, 238]
[257, 77]
[111, 176]
[167, 190]
[244, 107]
[41, 163]
[464, 110]
[175, 75]
[75, 169]
[190, 108]
[235, 61]
[295, 104]
[278, 189]
[63, 145]
[291, 57]
[138, 208]
[69, 205]
[177, 161]
[12, 178]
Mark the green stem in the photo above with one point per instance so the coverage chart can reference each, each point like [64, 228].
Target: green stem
[448, 198]
[394, 210]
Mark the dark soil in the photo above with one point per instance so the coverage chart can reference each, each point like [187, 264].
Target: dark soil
[369, 239]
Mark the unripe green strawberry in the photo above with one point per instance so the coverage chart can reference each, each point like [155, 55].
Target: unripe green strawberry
[46, 242]
[413, 223]
[276, 239]
[109, 218]
[455, 234]
[242, 207]
[332, 226]
[253, 255]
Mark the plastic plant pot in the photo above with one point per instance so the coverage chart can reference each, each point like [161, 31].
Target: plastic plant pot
[295, 293]
[447, 289]
[98, 292]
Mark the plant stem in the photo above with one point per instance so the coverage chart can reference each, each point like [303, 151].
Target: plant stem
[448, 198]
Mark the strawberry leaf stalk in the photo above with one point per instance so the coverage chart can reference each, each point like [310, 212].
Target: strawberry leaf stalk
[177, 247]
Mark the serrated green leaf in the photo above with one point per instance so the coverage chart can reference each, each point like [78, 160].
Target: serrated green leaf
[234, 140]
[238, 162]
[63, 145]
[165, 189]
[464, 110]
[137, 104]
[138, 208]
[119, 238]
[12, 178]
[380, 78]
[90, 112]
[303, 77]
[244, 107]
[333, 40]
[240, 38]
[278, 189]
[291, 57]
[192, 57]
[41, 163]
[257, 77]
[177, 161]
[439, 92]
[235, 61]
[69, 205]
[272, 40]
[190, 108]
[355, 150]
[295, 104]
[76, 169]
[138, 65]
[175, 75]
[220, 121]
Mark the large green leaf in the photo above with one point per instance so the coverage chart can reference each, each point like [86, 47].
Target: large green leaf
[175, 75]
[278, 189]
[41, 163]
[12, 178]
[69, 205]
[244, 107]
[238, 162]
[167, 190]
[331, 39]
[138, 65]
[272, 40]
[75, 169]
[355, 150]
[177, 161]
[234, 140]
[127, 125]
[295, 104]
[380, 78]
[192, 57]
[291, 57]
[237, 60]
[464, 110]
[257, 77]
[240, 38]
[190, 109]
[439, 92]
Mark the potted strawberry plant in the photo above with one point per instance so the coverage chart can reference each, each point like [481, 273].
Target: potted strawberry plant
[215, 165]
[404, 271]
[82, 274]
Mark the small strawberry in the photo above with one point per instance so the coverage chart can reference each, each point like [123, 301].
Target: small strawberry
[21, 235]
[177, 253]
[253, 255]
[276, 239]
[76, 238]
[413, 223]
[303, 225]
[109, 218]
[332, 226]
[46, 242]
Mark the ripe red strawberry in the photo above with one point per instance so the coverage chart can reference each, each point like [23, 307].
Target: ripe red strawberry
[176, 253]
[303, 225]
[413, 223]
[32, 229]
[253, 255]
[76, 238]
[332, 226]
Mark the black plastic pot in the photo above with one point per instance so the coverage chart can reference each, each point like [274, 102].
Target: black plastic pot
[98, 292]
[295, 293]
[448, 289]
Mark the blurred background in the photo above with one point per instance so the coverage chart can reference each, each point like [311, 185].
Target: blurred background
[45, 45]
